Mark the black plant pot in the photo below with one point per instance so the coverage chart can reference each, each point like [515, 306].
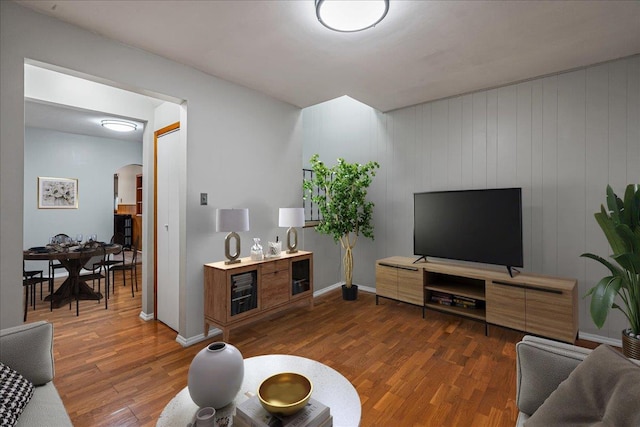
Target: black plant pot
[350, 294]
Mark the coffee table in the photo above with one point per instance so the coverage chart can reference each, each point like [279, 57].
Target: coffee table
[329, 387]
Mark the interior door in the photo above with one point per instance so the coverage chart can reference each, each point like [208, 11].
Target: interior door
[167, 233]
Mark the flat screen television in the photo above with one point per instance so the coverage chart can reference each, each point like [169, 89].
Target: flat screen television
[470, 225]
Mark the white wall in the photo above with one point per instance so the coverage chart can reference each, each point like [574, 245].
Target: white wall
[127, 181]
[243, 148]
[561, 138]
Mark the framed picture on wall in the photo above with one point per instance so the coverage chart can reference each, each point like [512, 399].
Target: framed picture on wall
[57, 193]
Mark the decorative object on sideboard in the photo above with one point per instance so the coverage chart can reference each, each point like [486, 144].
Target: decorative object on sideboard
[215, 375]
[256, 250]
[620, 222]
[340, 192]
[274, 249]
[232, 221]
[291, 217]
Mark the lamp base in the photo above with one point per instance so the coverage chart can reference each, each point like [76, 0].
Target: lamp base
[292, 246]
[232, 258]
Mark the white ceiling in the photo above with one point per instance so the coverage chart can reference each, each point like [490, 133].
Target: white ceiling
[80, 121]
[422, 50]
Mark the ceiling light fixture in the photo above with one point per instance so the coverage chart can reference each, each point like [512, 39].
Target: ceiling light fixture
[119, 125]
[351, 15]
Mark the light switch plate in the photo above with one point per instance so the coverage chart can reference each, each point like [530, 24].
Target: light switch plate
[203, 198]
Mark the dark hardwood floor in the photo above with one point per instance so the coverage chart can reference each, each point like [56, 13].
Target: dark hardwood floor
[113, 368]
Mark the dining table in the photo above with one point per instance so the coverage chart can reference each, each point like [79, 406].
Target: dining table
[73, 259]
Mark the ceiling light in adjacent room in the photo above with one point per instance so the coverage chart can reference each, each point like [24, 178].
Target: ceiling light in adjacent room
[119, 125]
[351, 15]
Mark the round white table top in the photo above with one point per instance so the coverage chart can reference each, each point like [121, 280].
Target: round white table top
[329, 387]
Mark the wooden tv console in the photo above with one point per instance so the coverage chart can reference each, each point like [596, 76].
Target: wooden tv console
[536, 304]
[249, 291]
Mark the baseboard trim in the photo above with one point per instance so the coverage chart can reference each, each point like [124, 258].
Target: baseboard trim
[600, 339]
[146, 317]
[186, 342]
[338, 285]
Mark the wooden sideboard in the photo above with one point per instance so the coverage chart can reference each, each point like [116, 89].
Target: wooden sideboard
[248, 291]
[532, 303]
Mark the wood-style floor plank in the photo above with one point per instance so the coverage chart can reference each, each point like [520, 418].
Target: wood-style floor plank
[114, 369]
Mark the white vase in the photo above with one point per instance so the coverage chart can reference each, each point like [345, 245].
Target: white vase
[215, 375]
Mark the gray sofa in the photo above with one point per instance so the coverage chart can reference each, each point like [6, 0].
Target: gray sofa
[28, 349]
[542, 365]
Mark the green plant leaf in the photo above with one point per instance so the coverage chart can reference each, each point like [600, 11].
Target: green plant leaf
[628, 261]
[602, 297]
[620, 223]
[616, 271]
[614, 204]
[608, 226]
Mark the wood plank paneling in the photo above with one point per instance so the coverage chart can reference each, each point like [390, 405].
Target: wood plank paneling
[524, 163]
[550, 175]
[479, 140]
[571, 174]
[507, 136]
[454, 153]
[537, 175]
[633, 120]
[466, 126]
[596, 179]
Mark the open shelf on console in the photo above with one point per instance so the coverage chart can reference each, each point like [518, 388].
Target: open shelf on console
[473, 313]
[463, 290]
[470, 289]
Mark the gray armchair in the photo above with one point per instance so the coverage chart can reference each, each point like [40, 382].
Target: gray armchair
[28, 349]
[541, 366]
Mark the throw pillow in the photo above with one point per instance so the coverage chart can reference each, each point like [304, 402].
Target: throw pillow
[15, 392]
[603, 390]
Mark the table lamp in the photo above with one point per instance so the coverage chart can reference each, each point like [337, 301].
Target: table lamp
[291, 217]
[232, 220]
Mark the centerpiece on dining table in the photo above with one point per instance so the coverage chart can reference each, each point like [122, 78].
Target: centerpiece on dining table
[70, 245]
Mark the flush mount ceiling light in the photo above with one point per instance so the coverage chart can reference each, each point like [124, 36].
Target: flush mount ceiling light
[119, 125]
[351, 15]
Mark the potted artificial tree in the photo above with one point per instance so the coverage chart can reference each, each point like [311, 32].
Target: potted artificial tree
[620, 222]
[345, 212]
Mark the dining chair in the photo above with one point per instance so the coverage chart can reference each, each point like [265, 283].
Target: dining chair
[29, 281]
[111, 260]
[53, 264]
[93, 268]
[28, 274]
[131, 266]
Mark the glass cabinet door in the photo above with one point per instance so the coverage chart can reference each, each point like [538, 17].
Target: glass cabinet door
[244, 292]
[300, 276]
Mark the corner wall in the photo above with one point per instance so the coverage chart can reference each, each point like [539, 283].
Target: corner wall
[243, 147]
[561, 138]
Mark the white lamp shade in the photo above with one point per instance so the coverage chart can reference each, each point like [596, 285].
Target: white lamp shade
[291, 217]
[232, 219]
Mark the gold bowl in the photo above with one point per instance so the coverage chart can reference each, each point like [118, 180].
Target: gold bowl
[285, 393]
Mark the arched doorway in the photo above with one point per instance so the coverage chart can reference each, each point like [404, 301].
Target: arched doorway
[127, 192]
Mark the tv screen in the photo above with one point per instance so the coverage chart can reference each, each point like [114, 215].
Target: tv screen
[470, 225]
